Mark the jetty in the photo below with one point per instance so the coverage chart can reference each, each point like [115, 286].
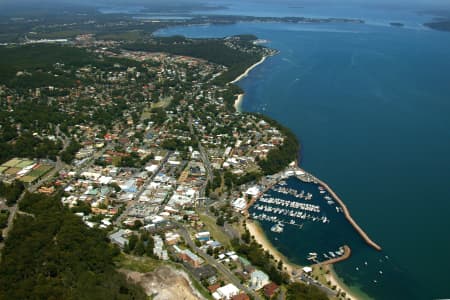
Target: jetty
[361, 232]
[346, 255]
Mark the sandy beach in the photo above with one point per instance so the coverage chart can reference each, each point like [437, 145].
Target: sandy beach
[238, 102]
[245, 74]
[289, 267]
[334, 279]
[240, 97]
[261, 238]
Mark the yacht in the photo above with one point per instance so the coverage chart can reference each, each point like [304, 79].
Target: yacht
[278, 228]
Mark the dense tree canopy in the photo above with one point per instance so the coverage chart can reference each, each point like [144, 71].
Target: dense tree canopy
[280, 157]
[51, 254]
[299, 291]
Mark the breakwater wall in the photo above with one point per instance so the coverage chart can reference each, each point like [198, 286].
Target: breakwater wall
[346, 212]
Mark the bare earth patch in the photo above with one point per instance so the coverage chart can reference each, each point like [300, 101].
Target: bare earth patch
[165, 283]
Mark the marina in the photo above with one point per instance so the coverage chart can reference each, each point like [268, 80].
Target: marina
[343, 208]
[292, 204]
[298, 201]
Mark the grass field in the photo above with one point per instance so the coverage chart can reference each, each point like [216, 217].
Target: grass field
[139, 264]
[40, 171]
[216, 232]
[27, 179]
[162, 103]
[11, 163]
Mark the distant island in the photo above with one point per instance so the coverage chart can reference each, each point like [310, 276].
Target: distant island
[396, 24]
[441, 25]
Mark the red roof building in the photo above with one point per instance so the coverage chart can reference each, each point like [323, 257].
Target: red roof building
[270, 289]
[213, 288]
[240, 297]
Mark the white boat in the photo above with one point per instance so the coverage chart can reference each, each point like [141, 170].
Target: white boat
[278, 228]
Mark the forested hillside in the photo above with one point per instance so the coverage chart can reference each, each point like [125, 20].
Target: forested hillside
[51, 254]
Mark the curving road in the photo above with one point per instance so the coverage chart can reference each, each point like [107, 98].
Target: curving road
[209, 259]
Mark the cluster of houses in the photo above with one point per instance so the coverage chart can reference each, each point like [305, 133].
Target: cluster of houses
[126, 178]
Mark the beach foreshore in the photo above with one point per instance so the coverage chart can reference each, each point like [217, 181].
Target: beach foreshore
[257, 232]
[335, 280]
[259, 236]
[240, 97]
[245, 74]
[238, 102]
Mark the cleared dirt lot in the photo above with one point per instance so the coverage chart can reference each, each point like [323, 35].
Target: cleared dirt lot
[165, 283]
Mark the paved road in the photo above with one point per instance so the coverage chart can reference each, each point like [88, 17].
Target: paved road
[12, 213]
[139, 193]
[325, 289]
[209, 259]
[204, 158]
[59, 165]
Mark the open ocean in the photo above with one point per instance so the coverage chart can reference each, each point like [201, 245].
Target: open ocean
[370, 104]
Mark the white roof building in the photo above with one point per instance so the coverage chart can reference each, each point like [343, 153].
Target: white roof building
[258, 280]
[152, 168]
[226, 292]
[253, 191]
[180, 200]
[91, 175]
[239, 204]
[105, 180]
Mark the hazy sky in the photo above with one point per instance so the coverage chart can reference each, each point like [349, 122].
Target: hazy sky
[415, 4]
[150, 2]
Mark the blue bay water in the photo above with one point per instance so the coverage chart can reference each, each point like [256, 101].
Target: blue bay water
[371, 107]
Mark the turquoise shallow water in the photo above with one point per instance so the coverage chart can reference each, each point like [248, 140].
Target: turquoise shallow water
[370, 105]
